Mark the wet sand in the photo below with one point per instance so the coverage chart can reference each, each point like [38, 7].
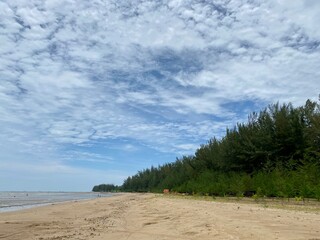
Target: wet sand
[148, 216]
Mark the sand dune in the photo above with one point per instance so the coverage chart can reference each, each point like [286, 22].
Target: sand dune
[147, 216]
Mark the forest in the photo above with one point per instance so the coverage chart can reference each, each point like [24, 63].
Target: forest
[105, 188]
[276, 153]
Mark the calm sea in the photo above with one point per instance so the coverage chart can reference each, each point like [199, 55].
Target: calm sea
[13, 201]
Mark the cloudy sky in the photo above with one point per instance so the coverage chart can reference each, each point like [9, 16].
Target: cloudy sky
[93, 91]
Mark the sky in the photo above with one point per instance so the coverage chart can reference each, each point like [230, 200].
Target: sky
[93, 91]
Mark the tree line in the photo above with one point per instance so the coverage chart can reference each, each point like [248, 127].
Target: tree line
[105, 188]
[276, 153]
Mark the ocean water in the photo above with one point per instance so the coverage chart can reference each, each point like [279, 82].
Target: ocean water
[13, 201]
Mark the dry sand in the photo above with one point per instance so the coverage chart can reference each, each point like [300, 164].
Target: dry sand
[147, 216]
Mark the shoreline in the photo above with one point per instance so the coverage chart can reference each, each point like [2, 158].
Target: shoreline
[15, 208]
[20, 200]
[140, 216]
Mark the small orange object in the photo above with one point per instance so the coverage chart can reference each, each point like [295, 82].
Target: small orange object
[165, 191]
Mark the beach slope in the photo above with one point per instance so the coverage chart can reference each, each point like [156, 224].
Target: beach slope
[147, 216]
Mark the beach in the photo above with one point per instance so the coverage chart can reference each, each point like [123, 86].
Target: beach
[149, 216]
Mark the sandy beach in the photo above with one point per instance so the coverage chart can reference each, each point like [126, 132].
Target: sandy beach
[149, 216]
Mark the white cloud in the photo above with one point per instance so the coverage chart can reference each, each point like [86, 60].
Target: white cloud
[304, 13]
[159, 73]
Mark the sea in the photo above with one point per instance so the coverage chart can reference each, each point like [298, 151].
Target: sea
[14, 201]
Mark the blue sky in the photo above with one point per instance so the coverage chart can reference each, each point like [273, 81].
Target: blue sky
[93, 91]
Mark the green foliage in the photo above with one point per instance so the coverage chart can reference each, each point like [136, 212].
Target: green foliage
[276, 154]
[105, 188]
